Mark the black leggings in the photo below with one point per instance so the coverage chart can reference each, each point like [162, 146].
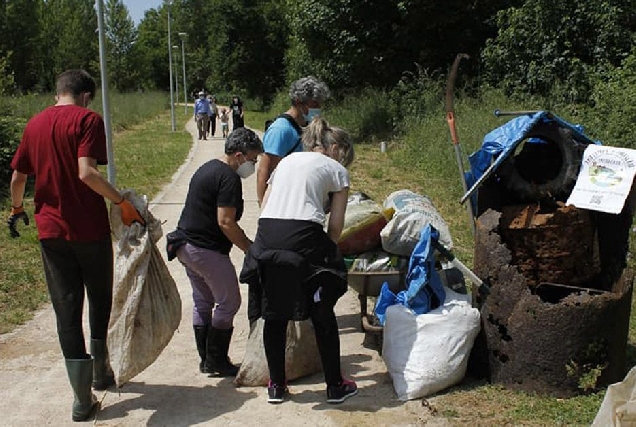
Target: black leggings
[69, 267]
[327, 338]
[212, 125]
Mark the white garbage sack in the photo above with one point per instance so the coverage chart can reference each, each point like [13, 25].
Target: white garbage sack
[146, 303]
[429, 352]
[619, 405]
[301, 354]
[412, 213]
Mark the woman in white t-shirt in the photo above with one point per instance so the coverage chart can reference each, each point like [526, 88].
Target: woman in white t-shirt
[294, 268]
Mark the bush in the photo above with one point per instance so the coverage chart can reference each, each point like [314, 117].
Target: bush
[539, 46]
[366, 116]
[416, 95]
[10, 132]
[613, 119]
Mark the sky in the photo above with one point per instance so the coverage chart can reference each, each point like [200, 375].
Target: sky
[136, 8]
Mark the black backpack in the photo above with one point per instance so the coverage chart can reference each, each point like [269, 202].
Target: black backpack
[293, 123]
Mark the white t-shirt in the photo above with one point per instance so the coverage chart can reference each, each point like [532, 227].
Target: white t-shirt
[300, 187]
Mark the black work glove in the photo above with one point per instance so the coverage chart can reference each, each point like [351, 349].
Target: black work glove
[16, 214]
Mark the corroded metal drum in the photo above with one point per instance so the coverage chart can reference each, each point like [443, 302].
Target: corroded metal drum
[554, 245]
[555, 321]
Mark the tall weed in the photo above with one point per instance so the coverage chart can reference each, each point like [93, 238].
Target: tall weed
[367, 116]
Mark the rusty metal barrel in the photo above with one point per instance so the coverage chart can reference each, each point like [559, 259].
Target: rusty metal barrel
[551, 323]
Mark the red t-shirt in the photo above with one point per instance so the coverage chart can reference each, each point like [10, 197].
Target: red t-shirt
[53, 140]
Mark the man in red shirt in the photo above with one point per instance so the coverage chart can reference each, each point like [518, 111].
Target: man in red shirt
[62, 147]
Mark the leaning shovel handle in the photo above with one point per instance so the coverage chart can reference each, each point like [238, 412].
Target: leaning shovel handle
[450, 119]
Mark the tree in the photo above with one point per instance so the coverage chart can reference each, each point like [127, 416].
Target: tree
[69, 39]
[246, 48]
[545, 45]
[356, 43]
[20, 35]
[121, 36]
[348, 43]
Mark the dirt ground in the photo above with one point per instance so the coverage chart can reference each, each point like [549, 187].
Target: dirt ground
[172, 392]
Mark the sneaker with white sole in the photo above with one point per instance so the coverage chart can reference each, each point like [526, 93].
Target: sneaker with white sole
[340, 393]
[276, 393]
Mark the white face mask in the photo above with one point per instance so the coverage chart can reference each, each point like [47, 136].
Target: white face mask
[311, 113]
[246, 169]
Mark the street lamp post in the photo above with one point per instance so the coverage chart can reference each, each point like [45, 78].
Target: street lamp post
[176, 76]
[172, 118]
[185, 90]
[105, 94]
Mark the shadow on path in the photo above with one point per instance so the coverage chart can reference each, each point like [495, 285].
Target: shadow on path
[176, 405]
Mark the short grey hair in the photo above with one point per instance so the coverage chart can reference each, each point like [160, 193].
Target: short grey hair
[308, 89]
[243, 140]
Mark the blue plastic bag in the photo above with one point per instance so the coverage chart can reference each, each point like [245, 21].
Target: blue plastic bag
[424, 286]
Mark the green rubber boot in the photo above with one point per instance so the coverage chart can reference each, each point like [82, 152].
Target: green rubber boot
[103, 376]
[80, 375]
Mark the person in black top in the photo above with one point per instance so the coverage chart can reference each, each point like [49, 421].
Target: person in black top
[237, 112]
[208, 227]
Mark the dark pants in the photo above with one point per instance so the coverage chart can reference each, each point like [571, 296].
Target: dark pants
[69, 268]
[280, 295]
[202, 124]
[327, 338]
[212, 125]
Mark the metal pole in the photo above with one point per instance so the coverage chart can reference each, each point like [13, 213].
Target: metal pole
[172, 118]
[176, 77]
[105, 104]
[185, 90]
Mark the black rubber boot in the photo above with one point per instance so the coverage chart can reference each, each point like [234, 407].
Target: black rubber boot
[201, 338]
[217, 360]
[103, 376]
[80, 375]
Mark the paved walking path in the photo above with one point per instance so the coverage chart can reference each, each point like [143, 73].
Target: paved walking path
[34, 388]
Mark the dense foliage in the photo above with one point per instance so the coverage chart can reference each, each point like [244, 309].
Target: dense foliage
[545, 45]
[10, 132]
[254, 47]
[568, 53]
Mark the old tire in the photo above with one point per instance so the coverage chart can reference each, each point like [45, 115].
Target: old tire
[561, 175]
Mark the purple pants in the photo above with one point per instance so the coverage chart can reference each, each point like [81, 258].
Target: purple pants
[215, 288]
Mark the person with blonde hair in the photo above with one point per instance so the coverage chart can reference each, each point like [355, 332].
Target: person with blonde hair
[294, 269]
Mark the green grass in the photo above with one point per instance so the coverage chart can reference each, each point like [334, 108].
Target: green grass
[489, 405]
[127, 109]
[256, 119]
[146, 157]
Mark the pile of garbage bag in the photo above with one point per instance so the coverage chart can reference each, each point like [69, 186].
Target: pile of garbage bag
[428, 329]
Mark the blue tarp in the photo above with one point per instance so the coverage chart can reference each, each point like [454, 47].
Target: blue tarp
[502, 141]
[422, 280]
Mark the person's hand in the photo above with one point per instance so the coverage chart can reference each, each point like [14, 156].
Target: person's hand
[16, 214]
[129, 213]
